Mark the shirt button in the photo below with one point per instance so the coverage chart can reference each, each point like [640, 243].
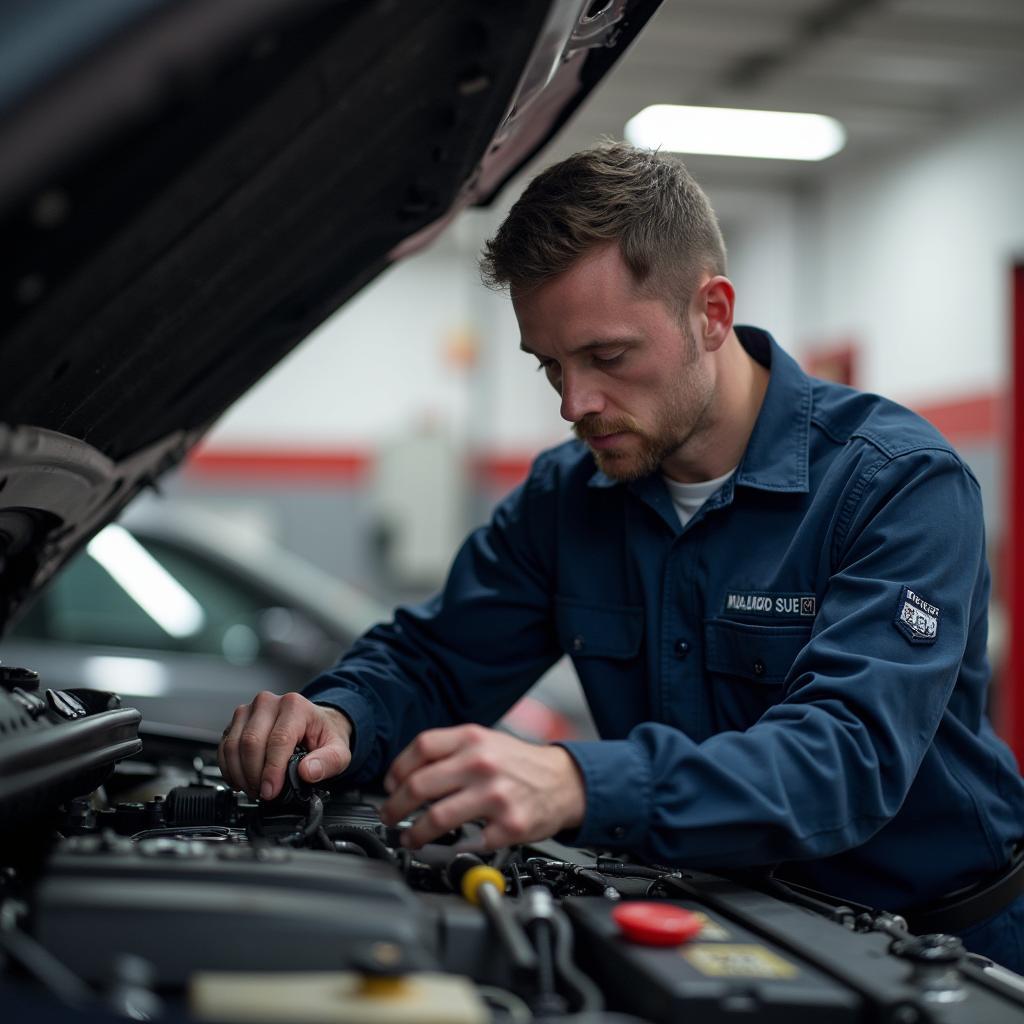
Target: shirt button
[759, 668]
[682, 648]
[578, 642]
[618, 832]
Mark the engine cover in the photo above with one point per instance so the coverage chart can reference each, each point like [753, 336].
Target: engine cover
[227, 907]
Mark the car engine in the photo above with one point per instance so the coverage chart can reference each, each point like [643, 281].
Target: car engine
[136, 884]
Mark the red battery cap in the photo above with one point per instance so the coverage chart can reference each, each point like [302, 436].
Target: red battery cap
[656, 924]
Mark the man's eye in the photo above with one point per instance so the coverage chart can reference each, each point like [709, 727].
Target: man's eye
[546, 365]
[609, 360]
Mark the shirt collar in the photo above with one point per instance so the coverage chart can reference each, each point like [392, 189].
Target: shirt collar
[777, 457]
[777, 453]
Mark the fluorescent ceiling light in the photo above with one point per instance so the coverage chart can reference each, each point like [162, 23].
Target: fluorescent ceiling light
[722, 131]
[147, 582]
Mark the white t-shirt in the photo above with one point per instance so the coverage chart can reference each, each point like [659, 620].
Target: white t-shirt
[687, 498]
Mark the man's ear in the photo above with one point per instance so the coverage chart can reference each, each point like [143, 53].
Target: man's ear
[716, 304]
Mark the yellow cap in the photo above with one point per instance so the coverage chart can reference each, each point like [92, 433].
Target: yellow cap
[481, 875]
[375, 986]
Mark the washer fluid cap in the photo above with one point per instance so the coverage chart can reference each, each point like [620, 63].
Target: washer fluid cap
[656, 924]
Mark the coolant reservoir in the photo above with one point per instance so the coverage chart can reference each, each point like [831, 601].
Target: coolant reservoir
[342, 997]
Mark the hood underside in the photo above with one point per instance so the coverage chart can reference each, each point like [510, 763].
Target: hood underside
[189, 188]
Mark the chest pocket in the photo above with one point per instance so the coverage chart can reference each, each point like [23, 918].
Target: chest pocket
[761, 654]
[598, 630]
[746, 667]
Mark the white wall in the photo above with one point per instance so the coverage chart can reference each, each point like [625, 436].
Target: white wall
[911, 258]
[761, 231]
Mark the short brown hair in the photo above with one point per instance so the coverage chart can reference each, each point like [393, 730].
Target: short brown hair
[645, 201]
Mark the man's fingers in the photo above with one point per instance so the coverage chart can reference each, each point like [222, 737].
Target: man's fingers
[325, 762]
[328, 736]
[292, 722]
[443, 816]
[430, 746]
[262, 737]
[521, 790]
[431, 782]
[252, 743]
[228, 753]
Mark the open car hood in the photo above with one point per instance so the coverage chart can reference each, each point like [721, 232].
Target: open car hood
[188, 188]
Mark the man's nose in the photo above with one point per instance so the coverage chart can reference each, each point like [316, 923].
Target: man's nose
[579, 398]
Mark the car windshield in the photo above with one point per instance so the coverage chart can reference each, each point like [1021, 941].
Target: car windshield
[124, 591]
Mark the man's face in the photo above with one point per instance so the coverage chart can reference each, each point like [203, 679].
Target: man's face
[634, 382]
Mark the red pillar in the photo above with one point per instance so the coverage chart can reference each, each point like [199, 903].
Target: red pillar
[1011, 688]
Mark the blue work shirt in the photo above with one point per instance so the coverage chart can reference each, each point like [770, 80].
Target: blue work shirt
[796, 677]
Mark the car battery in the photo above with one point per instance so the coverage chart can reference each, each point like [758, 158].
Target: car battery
[757, 957]
[724, 973]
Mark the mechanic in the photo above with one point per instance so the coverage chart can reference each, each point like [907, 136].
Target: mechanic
[773, 589]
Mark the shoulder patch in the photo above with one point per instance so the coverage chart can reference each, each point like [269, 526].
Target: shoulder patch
[916, 618]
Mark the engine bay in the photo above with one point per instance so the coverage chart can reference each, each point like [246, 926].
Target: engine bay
[156, 892]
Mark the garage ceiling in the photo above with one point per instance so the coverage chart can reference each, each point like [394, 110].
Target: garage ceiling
[896, 73]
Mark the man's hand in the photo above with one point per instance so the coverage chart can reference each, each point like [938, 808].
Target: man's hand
[262, 737]
[524, 791]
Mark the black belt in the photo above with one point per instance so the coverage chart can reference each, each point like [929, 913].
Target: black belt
[962, 910]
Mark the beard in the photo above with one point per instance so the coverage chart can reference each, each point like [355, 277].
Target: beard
[683, 414]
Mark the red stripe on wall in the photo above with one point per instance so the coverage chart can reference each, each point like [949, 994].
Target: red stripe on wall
[290, 464]
[498, 471]
[967, 420]
[1010, 700]
[501, 472]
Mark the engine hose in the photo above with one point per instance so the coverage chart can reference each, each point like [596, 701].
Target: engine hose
[619, 870]
[338, 845]
[547, 922]
[591, 1000]
[838, 912]
[372, 844]
[545, 956]
[596, 880]
[517, 881]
